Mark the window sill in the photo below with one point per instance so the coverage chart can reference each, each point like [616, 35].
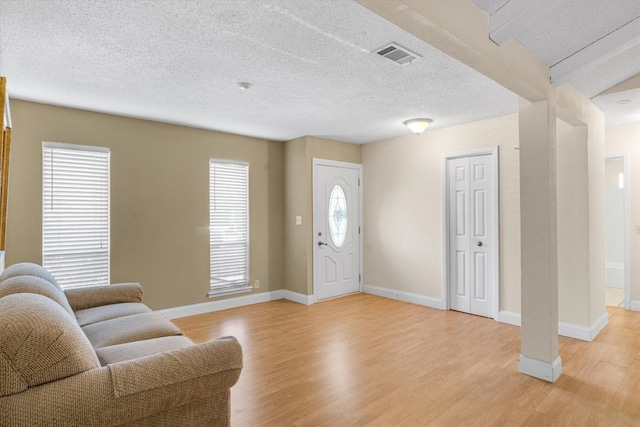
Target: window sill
[229, 291]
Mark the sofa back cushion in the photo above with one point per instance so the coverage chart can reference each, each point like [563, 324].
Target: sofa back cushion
[39, 343]
[35, 285]
[29, 269]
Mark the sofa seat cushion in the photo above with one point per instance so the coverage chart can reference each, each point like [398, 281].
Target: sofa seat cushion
[92, 315]
[134, 350]
[132, 328]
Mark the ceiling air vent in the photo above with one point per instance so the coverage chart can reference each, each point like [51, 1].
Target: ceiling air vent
[397, 54]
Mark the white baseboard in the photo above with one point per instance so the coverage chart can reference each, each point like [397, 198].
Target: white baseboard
[206, 307]
[635, 305]
[565, 329]
[299, 298]
[574, 331]
[539, 369]
[599, 325]
[404, 296]
[509, 317]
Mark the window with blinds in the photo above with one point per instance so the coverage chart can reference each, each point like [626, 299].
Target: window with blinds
[75, 217]
[228, 227]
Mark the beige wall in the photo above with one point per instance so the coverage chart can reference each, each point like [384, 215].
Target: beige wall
[403, 213]
[403, 207]
[160, 217]
[296, 236]
[159, 197]
[461, 32]
[573, 225]
[626, 139]
[299, 155]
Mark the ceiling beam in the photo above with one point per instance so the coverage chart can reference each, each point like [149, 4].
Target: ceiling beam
[461, 31]
[517, 15]
[596, 53]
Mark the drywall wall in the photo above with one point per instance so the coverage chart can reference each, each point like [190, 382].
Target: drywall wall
[299, 155]
[619, 140]
[538, 232]
[462, 33]
[577, 110]
[403, 213]
[159, 197]
[403, 225]
[572, 224]
[295, 199]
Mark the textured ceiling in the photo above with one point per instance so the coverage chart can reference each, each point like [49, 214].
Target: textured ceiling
[568, 27]
[309, 64]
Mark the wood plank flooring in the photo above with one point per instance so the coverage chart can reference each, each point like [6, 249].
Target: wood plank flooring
[366, 360]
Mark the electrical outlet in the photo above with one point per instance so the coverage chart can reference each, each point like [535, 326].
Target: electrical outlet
[256, 284]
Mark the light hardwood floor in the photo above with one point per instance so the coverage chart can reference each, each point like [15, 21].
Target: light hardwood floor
[366, 360]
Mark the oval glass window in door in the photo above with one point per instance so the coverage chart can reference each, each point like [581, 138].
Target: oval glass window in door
[337, 216]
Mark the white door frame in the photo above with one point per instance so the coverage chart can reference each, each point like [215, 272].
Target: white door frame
[626, 227]
[493, 152]
[323, 162]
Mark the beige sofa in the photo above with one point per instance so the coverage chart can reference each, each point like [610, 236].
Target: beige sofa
[97, 356]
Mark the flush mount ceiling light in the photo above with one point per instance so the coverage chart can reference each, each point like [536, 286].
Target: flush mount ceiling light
[418, 126]
[244, 85]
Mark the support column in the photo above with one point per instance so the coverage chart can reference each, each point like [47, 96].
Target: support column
[538, 212]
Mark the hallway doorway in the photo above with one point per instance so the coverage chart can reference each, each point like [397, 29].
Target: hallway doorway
[617, 231]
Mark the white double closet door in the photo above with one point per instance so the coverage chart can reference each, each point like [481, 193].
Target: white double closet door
[472, 276]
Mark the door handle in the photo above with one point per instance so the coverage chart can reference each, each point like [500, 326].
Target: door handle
[479, 243]
[321, 243]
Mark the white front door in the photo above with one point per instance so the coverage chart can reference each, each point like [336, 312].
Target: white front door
[336, 228]
[472, 275]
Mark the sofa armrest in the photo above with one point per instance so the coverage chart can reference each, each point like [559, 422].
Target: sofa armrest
[160, 383]
[223, 355]
[94, 296]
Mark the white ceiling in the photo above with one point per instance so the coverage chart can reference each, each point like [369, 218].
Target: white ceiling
[605, 33]
[309, 63]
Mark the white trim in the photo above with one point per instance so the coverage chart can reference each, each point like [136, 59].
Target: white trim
[635, 305]
[510, 318]
[6, 120]
[207, 307]
[574, 331]
[595, 54]
[565, 329]
[220, 291]
[299, 298]
[626, 230]
[615, 265]
[598, 325]
[493, 151]
[75, 147]
[404, 296]
[324, 162]
[515, 15]
[539, 369]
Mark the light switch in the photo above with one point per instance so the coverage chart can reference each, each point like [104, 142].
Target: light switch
[298, 220]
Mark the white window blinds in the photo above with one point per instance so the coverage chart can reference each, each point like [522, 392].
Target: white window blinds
[228, 227]
[75, 217]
